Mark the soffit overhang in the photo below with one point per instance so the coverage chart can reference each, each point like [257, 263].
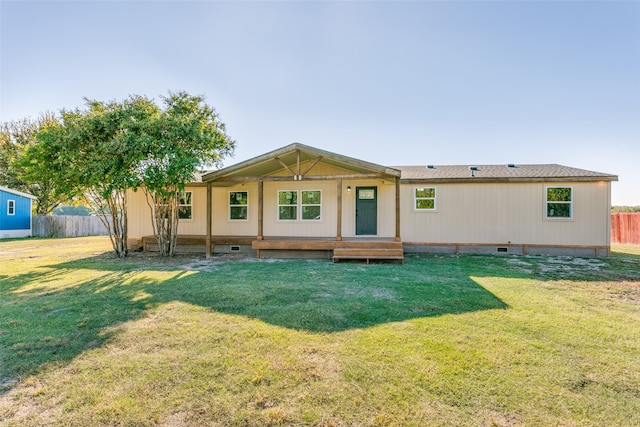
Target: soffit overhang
[298, 160]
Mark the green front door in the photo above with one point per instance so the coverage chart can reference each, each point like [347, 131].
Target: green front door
[366, 211]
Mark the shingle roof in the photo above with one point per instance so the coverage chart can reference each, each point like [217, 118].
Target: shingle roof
[270, 162]
[498, 173]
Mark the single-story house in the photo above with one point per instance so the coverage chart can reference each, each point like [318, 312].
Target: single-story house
[15, 213]
[306, 201]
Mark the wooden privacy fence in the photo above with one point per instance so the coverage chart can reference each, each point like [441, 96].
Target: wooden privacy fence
[625, 227]
[67, 226]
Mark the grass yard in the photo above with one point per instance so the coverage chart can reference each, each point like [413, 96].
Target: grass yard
[444, 340]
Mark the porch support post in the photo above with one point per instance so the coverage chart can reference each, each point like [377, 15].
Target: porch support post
[209, 214]
[397, 209]
[339, 218]
[260, 209]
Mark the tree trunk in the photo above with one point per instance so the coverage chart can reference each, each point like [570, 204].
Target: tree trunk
[117, 226]
[164, 218]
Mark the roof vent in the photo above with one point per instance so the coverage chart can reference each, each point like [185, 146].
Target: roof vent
[430, 167]
[511, 165]
[473, 170]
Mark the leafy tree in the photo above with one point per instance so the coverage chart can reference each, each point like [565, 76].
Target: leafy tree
[16, 138]
[185, 136]
[98, 153]
[92, 154]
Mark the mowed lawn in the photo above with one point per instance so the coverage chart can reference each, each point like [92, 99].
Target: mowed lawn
[443, 340]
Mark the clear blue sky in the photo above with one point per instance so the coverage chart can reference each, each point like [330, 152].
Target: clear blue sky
[395, 83]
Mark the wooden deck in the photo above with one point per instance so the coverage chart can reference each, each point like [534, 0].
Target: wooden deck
[195, 239]
[365, 248]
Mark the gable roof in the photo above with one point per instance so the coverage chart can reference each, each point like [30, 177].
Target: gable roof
[500, 173]
[17, 193]
[294, 154]
[289, 155]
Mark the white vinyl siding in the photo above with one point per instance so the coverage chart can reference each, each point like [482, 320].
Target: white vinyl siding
[502, 213]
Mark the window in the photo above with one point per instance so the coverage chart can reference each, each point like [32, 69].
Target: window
[287, 205]
[559, 202]
[311, 205]
[366, 194]
[184, 205]
[425, 198]
[11, 207]
[238, 205]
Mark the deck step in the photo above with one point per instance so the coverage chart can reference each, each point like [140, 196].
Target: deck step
[296, 245]
[134, 244]
[365, 244]
[368, 254]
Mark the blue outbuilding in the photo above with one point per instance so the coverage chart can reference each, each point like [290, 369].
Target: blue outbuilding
[15, 213]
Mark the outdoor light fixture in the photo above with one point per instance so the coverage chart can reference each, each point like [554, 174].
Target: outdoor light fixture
[348, 189]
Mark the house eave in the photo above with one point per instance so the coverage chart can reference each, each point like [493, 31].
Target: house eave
[266, 164]
[478, 180]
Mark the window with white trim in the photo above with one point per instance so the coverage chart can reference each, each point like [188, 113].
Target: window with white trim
[11, 207]
[287, 205]
[305, 205]
[238, 205]
[559, 202]
[424, 198]
[311, 205]
[185, 207]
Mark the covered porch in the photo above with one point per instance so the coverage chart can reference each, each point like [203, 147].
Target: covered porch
[336, 227]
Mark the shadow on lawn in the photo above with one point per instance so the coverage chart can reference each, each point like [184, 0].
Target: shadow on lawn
[59, 311]
[65, 309]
